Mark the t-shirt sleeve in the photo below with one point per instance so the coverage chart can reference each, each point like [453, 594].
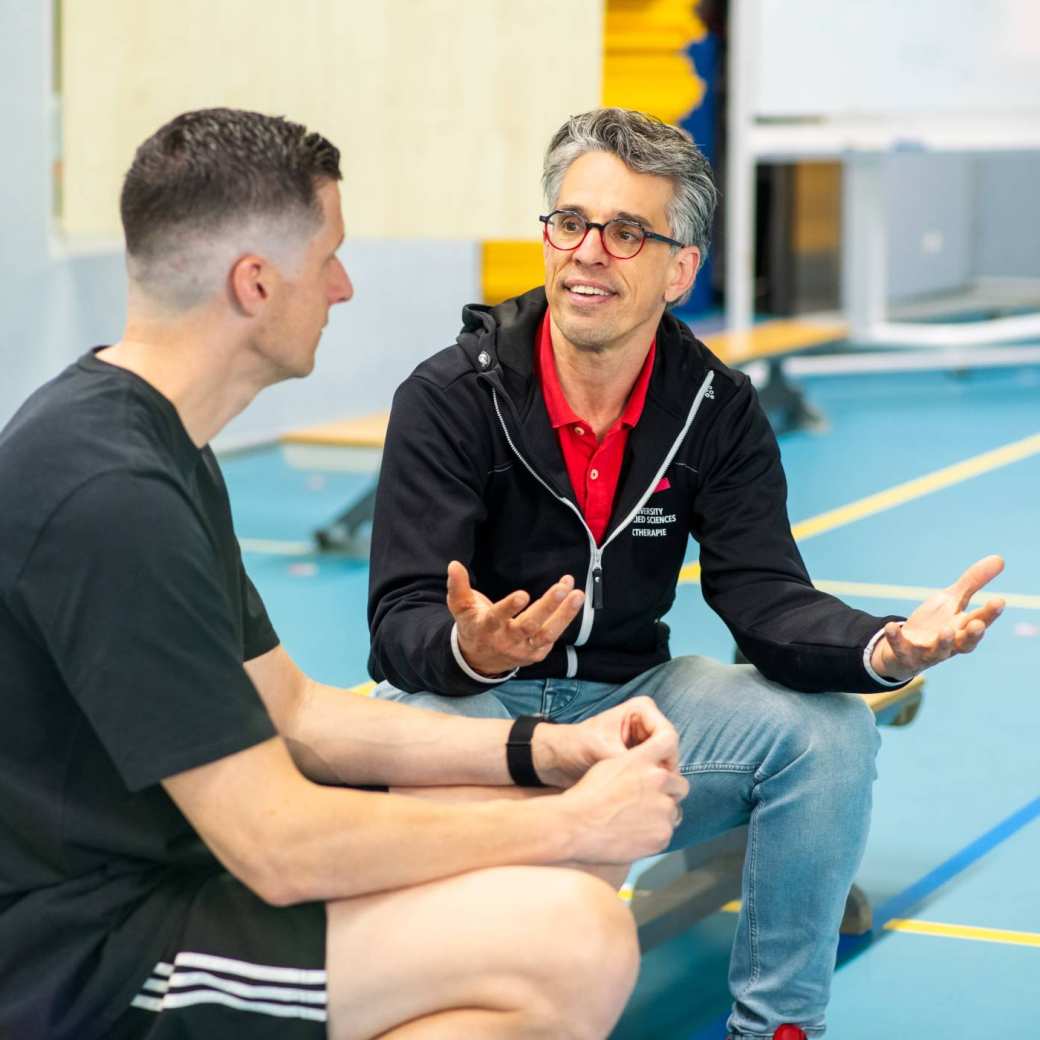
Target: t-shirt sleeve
[124, 589]
[258, 634]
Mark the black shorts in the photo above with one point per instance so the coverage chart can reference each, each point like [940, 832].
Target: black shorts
[239, 968]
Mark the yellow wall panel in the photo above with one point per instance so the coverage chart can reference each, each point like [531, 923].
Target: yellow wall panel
[510, 268]
[442, 108]
[645, 65]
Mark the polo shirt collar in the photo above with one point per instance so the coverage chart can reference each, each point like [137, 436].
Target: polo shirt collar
[556, 405]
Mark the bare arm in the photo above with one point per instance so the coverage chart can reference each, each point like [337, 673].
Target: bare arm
[337, 737]
[291, 840]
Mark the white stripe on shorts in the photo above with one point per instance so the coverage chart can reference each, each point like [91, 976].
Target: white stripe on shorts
[170, 986]
[209, 996]
[265, 972]
[186, 979]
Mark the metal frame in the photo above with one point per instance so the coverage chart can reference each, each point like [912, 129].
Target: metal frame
[861, 145]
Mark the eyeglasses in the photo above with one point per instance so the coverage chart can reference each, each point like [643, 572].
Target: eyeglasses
[622, 239]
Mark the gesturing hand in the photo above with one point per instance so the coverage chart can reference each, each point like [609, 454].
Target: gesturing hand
[941, 626]
[497, 637]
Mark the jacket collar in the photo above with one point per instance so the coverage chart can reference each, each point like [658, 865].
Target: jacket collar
[501, 342]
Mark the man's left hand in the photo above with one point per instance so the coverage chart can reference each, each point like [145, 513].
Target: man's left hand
[941, 626]
[563, 754]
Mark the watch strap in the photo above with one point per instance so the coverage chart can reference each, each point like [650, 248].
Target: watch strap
[519, 758]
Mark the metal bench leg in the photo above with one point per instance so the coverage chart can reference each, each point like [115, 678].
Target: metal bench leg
[345, 533]
[859, 918]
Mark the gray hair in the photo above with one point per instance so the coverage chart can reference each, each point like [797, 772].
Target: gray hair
[645, 145]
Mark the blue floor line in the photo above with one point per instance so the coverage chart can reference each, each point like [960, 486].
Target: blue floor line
[715, 1031]
[900, 904]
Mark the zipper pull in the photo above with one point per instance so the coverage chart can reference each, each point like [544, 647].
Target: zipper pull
[597, 588]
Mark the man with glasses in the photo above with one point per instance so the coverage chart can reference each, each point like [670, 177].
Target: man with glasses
[553, 463]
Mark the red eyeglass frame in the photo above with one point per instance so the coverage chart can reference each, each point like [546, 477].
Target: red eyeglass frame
[601, 227]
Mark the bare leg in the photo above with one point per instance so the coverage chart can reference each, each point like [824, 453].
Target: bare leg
[508, 953]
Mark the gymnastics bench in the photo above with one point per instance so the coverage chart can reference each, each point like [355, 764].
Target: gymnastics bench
[352, 445]
[679, 889]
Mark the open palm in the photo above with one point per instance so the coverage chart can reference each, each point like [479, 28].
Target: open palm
[941, 626]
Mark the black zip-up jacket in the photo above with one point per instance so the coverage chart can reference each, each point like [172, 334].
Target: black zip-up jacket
[472, 471]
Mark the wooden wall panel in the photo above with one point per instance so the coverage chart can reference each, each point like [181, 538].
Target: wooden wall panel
[442, 108]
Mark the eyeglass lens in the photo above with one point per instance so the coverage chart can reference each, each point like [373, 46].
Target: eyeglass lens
[621, 238]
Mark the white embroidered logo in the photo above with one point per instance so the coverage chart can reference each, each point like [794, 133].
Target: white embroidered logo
[650, 522]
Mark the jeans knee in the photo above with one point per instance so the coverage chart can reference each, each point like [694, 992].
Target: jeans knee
[843, 737]
[832, 735]
[859, 739]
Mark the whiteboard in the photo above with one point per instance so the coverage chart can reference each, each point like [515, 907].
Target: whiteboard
[868, 58]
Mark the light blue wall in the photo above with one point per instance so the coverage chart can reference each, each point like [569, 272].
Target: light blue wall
[1007, 218]
[986, 209]
[928, 195]
[407, 303]
[54, 306]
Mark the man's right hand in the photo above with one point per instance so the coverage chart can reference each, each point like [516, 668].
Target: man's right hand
[497, 637]
[626, 807]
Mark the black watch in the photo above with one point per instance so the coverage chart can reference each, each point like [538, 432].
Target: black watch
[519, 759]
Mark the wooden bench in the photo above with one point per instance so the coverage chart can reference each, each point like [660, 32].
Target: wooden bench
[352, 445]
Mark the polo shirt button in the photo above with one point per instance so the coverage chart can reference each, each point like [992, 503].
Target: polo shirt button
[578, 430]
[593, 474]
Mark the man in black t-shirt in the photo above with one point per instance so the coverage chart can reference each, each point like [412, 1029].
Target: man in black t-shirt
[181, 852]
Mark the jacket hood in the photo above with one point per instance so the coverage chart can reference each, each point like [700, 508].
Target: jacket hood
[499, 342]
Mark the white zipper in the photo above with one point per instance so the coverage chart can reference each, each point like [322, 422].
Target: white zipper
[594, 577]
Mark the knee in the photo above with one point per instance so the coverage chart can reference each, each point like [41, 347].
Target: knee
[831, 735]
[593, 956]
[840, 736]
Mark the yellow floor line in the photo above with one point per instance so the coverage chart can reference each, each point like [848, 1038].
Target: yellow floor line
[964, 931]
[948, 931]
[691, 574]
[919, 592]
[905, 492]
[911, 489]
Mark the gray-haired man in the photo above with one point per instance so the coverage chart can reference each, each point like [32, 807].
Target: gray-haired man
[580, 430]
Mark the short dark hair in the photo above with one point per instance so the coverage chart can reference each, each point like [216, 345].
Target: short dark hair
[216, 168]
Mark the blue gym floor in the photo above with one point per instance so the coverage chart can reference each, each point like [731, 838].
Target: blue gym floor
[956, 834]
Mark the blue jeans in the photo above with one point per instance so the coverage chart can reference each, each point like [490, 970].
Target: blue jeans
[797, 768]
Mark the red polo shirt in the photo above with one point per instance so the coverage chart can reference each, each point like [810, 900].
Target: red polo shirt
[593, 466]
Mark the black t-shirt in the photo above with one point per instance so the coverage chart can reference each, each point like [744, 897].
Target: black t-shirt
[125, 616]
